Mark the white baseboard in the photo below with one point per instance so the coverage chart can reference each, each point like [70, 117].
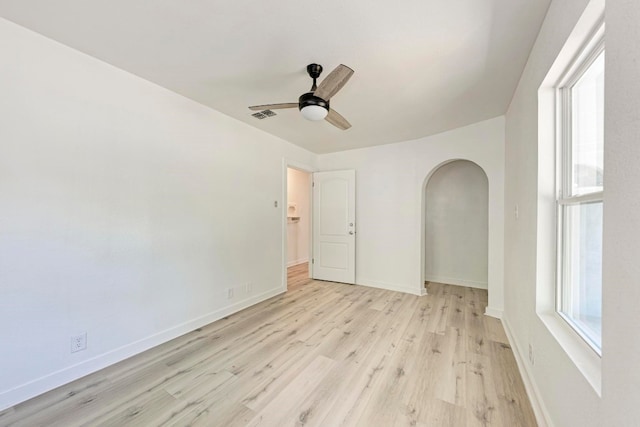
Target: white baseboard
[11, 397]
[489, 311]
[297, 262]
[537, 403]
[457, 282]
[391, 287]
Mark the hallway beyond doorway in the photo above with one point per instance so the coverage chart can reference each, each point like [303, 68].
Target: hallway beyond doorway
[298, 275]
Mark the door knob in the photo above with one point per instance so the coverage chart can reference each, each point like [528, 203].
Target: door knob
[351, 232]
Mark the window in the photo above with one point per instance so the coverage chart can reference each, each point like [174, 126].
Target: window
[579, 187]
[570, 195]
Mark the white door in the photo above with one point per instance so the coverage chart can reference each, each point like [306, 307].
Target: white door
[334, 221]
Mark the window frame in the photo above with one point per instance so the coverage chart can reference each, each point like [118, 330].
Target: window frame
[588, 54]
[589, 28]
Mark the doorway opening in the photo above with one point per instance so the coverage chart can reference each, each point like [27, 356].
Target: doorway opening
[456, 227]
[298, 228]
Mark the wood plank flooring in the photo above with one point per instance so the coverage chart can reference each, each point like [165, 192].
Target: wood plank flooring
[323, 354]
[298, 275]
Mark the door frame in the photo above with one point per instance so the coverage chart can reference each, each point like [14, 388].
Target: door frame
[293, 164]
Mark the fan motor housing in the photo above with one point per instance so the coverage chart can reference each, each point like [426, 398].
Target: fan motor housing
[310, 99]
[314, 70]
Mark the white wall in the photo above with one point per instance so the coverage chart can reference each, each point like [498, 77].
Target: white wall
[456, 242]
[298, 232]
[126, 211]
[567, 397]
[390, 185]
[621, 293]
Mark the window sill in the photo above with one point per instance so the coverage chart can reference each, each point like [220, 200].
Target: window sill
[581, 354]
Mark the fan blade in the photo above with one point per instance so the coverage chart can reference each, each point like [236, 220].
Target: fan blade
[337, 120]
[333, 82]
[274, 106]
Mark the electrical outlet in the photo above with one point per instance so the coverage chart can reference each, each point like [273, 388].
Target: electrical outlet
[531, 354]
[248, 288]
[229, 293]
[79, 342]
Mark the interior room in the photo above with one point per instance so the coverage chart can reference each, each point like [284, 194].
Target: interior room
[348, 213]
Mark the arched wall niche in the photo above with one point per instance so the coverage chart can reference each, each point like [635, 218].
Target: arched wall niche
[495, 247]
[456, 229]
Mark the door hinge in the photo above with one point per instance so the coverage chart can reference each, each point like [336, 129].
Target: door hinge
[313, 184]
[313, 261]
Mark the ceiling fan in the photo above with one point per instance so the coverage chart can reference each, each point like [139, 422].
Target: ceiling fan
[314, 105]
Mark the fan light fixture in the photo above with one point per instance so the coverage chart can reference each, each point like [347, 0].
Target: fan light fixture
[314, 112]
[314, 105]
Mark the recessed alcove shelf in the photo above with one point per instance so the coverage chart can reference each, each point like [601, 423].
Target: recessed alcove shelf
[292, 212]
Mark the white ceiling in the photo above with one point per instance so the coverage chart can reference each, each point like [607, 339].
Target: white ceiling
[421, 66]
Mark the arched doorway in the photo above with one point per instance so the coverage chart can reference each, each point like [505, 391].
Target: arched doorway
[457, 225]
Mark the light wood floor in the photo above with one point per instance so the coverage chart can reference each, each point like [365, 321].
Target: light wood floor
[298, 275]
[323, 354]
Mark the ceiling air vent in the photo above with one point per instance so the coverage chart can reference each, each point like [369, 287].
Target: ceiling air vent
[263, 114]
